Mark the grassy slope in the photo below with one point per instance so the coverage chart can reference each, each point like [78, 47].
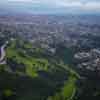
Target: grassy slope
[68, 91]
[31, 64]
[34, 64]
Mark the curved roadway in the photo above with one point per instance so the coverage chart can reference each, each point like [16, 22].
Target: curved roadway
[3, 53]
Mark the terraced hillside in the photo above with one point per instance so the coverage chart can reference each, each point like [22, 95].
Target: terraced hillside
[31, 73]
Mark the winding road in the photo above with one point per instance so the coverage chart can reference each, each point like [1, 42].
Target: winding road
[3, 53]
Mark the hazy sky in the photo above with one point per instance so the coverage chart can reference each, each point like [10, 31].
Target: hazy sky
[50, 6]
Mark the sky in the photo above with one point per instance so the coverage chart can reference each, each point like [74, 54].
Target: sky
[50, 6]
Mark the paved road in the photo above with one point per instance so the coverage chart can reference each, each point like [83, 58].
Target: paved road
[3, 53]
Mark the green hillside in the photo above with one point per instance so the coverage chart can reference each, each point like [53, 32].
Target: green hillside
[33, 74]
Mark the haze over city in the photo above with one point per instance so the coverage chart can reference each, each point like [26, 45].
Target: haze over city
[49, 6]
